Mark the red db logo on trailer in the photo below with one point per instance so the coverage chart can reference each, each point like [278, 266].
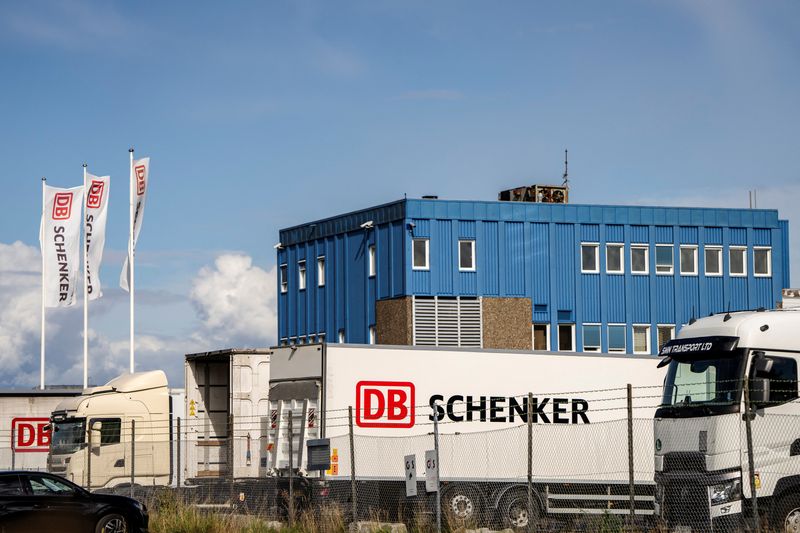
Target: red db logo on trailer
[62, 205]
[385, 404]
[30, 434]
[95, 197]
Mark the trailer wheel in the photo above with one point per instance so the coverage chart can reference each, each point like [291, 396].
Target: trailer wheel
[787, 514]
[514, 509]
[462, 503]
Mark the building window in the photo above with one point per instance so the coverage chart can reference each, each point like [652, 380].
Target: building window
[664, 261]
[341, 336]
[284, 279]
[301, 275]
[762, 261]
[615, 264]
[541, 337]
[665, 334]
[591, 337]
[640, 261]
[447, 321]
[372, 265]
[589, 258]
[301, 339]
[466, 255]
[688, 260]
[321, 271]
[713, 256]
[421, 255]
[616, 338]
[641, 339]
[566, 337]
[372, 335]
[738, 260]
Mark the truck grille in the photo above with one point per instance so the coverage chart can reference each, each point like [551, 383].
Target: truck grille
[684, 462]
[681, 498]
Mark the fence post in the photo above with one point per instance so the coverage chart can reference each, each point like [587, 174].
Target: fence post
[178, 452]
[133, 454]
[750, 460]
[438, 474]
[631, 486]
[529, 419]
[353, 494]
[89, 457]
[13, 451]
[291, 472]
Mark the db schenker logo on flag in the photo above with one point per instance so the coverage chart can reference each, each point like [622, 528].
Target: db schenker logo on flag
[62, 206]
[385, 404]
[141, 172]
[95, 198]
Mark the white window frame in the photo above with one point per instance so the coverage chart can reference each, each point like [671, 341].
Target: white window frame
[621, 258]
[596, 270]
[648, 348]
[670, 326]
[672, 264]
[693, 248]
[743, 273]
[321, 271]
[340, 336]
[373, 266]
[301, 275]
[572, 329]
[427, 265]
[283, 273]
[546, 335]
[768, 249]
[474, 261]
[599, 347]
[373, 335]
[718, 250]
[624, 338]
[646, 248]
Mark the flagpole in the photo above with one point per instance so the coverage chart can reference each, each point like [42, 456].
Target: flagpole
[131, 258]
[85, 287]
[42, 237]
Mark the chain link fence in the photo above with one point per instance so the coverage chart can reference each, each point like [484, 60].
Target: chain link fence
[612, 467]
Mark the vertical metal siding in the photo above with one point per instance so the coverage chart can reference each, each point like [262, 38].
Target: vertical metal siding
[489, 257]
[639, 234]
[615, 233]
[514, 259]
[540, 271]
[590, 298]
[356, 315]
[665, 299]
[738, 236]
[690, 299]
[713, 236]
[688, 235]
[590, 233]
[762, 237]
[664, 235]
[715, 300]
[615, 298]
[565, 259]
[738, 293]
[446, 253]
[640, 299]
[783, 258]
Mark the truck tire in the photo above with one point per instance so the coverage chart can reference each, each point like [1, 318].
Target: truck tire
[462, 504]
[514, 511]
[112, 523]
[787, 514]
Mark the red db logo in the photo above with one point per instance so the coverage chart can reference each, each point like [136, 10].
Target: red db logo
[62, 205]
[30, 435]
[385, 404]
[140, 174]
[95, 197]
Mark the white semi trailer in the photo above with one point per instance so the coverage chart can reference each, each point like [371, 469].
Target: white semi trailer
[702, 429]
[580, 445]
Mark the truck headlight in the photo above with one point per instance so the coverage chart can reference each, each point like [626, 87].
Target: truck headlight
[728, 491]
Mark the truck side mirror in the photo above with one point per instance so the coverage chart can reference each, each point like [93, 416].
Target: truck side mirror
[96, 428]
[97, 425]
[762, 365]
[759, 391]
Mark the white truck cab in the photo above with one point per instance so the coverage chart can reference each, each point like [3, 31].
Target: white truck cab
[105, 417]
[702, 461]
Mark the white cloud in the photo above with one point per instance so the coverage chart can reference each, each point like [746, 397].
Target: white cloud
[236, 301]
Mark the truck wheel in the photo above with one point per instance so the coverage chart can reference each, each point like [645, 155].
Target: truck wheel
[787, 514]
[462, 503]
[112, 523]
[514, 509]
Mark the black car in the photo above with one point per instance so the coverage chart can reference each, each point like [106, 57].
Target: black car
[33, 502]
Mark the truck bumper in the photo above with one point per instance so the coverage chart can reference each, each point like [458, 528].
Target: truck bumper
[684, 506]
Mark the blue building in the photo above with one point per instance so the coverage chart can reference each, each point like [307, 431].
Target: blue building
[524, 275]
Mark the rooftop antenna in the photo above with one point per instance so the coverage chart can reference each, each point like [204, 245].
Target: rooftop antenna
[566, 169]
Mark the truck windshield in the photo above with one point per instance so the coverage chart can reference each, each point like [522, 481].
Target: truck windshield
[702, 386]
[68, 435]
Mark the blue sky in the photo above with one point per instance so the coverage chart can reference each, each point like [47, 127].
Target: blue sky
[261, 115]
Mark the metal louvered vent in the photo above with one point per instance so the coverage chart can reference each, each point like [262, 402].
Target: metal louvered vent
[442, 321]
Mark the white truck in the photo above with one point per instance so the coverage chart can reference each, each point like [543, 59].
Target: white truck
[702, 458]
[580, 445]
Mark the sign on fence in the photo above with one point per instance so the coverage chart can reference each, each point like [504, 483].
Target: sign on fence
[411, 475]
[431, 471]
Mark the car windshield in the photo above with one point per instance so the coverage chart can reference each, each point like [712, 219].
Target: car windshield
[712, 380]
[68, 435]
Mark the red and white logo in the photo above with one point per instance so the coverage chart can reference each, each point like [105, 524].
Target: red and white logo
[385, 404]
[140, 171]
[62, 205]
[95, 197]
[30, 434]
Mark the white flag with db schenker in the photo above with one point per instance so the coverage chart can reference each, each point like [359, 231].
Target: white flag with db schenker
[60, 240]
[96, 214]
[140, 179]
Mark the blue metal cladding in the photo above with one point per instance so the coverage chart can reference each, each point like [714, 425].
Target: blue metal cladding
[526, 250]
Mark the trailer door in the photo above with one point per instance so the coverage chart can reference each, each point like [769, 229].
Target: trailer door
[299, 402]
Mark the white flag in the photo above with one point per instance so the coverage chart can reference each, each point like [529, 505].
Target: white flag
[96, 214]
[140, 178]
[60, 240]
